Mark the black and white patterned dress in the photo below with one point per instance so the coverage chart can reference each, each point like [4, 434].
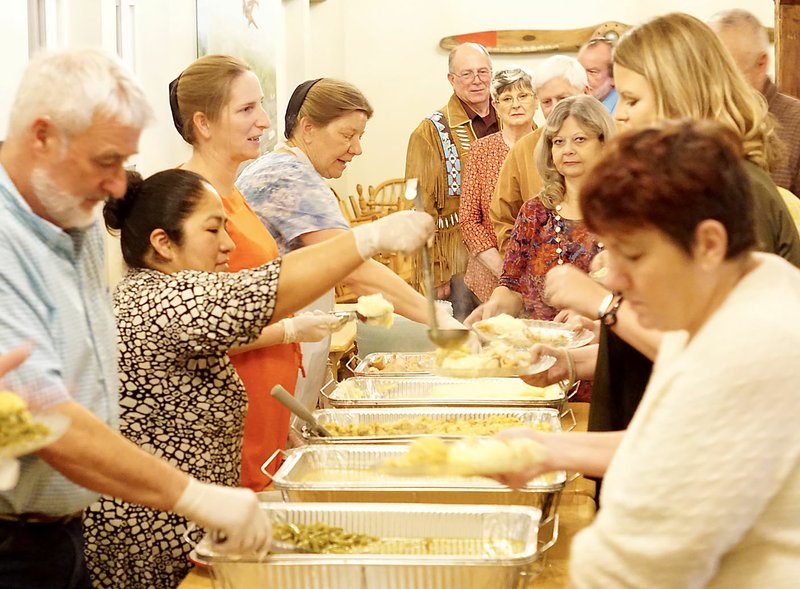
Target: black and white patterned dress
[180, 399]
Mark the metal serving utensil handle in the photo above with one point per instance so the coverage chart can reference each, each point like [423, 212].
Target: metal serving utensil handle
[282, 396]
[427, 274]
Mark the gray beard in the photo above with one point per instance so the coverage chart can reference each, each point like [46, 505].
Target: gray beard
[63, 207]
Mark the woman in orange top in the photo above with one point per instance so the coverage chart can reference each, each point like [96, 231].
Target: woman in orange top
[216, 107]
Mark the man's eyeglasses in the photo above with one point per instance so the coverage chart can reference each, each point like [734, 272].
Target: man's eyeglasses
[483, 74]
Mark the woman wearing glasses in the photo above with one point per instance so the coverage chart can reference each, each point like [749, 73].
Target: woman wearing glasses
[515, 102]
[438, 152]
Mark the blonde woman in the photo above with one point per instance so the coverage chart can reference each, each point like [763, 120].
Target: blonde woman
[515, 103]
[671, 67]
[549, 230]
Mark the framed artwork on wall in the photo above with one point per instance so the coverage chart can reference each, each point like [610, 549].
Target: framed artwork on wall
[246, 29]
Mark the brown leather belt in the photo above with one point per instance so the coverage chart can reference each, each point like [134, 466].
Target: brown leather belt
[39, 518]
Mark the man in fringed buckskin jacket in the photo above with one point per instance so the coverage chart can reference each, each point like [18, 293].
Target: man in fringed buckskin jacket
[437, 152]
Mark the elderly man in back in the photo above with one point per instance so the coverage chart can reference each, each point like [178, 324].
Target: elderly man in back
[596, 58]
[437, 152]
[76, 119]
[748, 43]
[558, 77]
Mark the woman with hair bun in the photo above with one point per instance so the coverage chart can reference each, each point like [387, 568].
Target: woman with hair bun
[217, 108]
[178, 313]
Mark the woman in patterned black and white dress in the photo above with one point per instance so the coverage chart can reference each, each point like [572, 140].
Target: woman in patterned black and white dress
[177, 315]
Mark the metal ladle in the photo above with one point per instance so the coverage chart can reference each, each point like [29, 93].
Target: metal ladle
[443, 338]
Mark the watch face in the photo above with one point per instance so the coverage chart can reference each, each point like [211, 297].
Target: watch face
[609, 318]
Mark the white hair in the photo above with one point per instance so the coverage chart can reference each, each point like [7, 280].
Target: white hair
[74, 86]
[510, 77]
[476, 46]
[561, 66]
[736, 18]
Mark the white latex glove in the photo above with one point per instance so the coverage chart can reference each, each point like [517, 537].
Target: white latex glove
[9, 473]
[234, 513]
[404, 231]
[446, 321]
[308, 327]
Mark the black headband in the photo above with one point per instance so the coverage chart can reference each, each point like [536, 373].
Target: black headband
[173, 105]
[295, 102]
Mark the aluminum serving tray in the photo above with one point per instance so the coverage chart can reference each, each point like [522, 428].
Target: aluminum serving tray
[302, 478]
[529, 416]
[386, 571]
[415, 392]
[426, 359]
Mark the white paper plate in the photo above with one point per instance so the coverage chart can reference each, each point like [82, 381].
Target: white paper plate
[537, 328]
[56, 423]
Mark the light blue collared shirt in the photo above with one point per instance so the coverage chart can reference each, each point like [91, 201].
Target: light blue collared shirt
[53, 294]
[610, 101]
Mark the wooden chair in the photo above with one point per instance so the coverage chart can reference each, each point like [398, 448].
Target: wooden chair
[390, 195]
[379, 201]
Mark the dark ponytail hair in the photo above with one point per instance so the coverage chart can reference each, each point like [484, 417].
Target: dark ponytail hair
[163, 201]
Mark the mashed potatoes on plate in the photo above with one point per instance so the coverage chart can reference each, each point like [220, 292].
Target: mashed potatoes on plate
[468, 457]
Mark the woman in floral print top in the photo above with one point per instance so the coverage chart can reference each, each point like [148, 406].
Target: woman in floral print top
[515, 102]
[549, 230]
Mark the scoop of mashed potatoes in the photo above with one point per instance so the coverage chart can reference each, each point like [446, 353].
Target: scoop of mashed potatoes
[376, 309]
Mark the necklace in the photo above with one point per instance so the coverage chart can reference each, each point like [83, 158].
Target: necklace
[560, 233]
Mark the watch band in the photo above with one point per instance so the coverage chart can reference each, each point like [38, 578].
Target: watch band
[609, 316]
[605, 305]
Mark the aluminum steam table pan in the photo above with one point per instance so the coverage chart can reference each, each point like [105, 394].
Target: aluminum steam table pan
[481, 546]
[349, 473]
[543, 418]
[407, 364]
[436, 390]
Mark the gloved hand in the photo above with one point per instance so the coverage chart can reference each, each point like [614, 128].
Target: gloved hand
[9, 473]
[445, 320]
[232, 512]
[404, 231]
[308, 327]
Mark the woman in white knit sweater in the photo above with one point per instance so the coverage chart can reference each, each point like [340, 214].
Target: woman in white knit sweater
[702, 489]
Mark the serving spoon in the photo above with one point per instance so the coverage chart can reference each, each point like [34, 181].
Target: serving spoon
[443, 338]
[282, 396]
[347, 316]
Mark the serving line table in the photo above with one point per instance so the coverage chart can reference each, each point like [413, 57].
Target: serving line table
[576, 510]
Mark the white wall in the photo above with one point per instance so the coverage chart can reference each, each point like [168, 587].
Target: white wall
[390, 51]
[14, 49]
[387, 48]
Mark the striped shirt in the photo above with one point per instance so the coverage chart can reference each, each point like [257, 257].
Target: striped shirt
[53, 294]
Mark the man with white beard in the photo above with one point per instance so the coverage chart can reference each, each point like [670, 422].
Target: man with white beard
[76, 119]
